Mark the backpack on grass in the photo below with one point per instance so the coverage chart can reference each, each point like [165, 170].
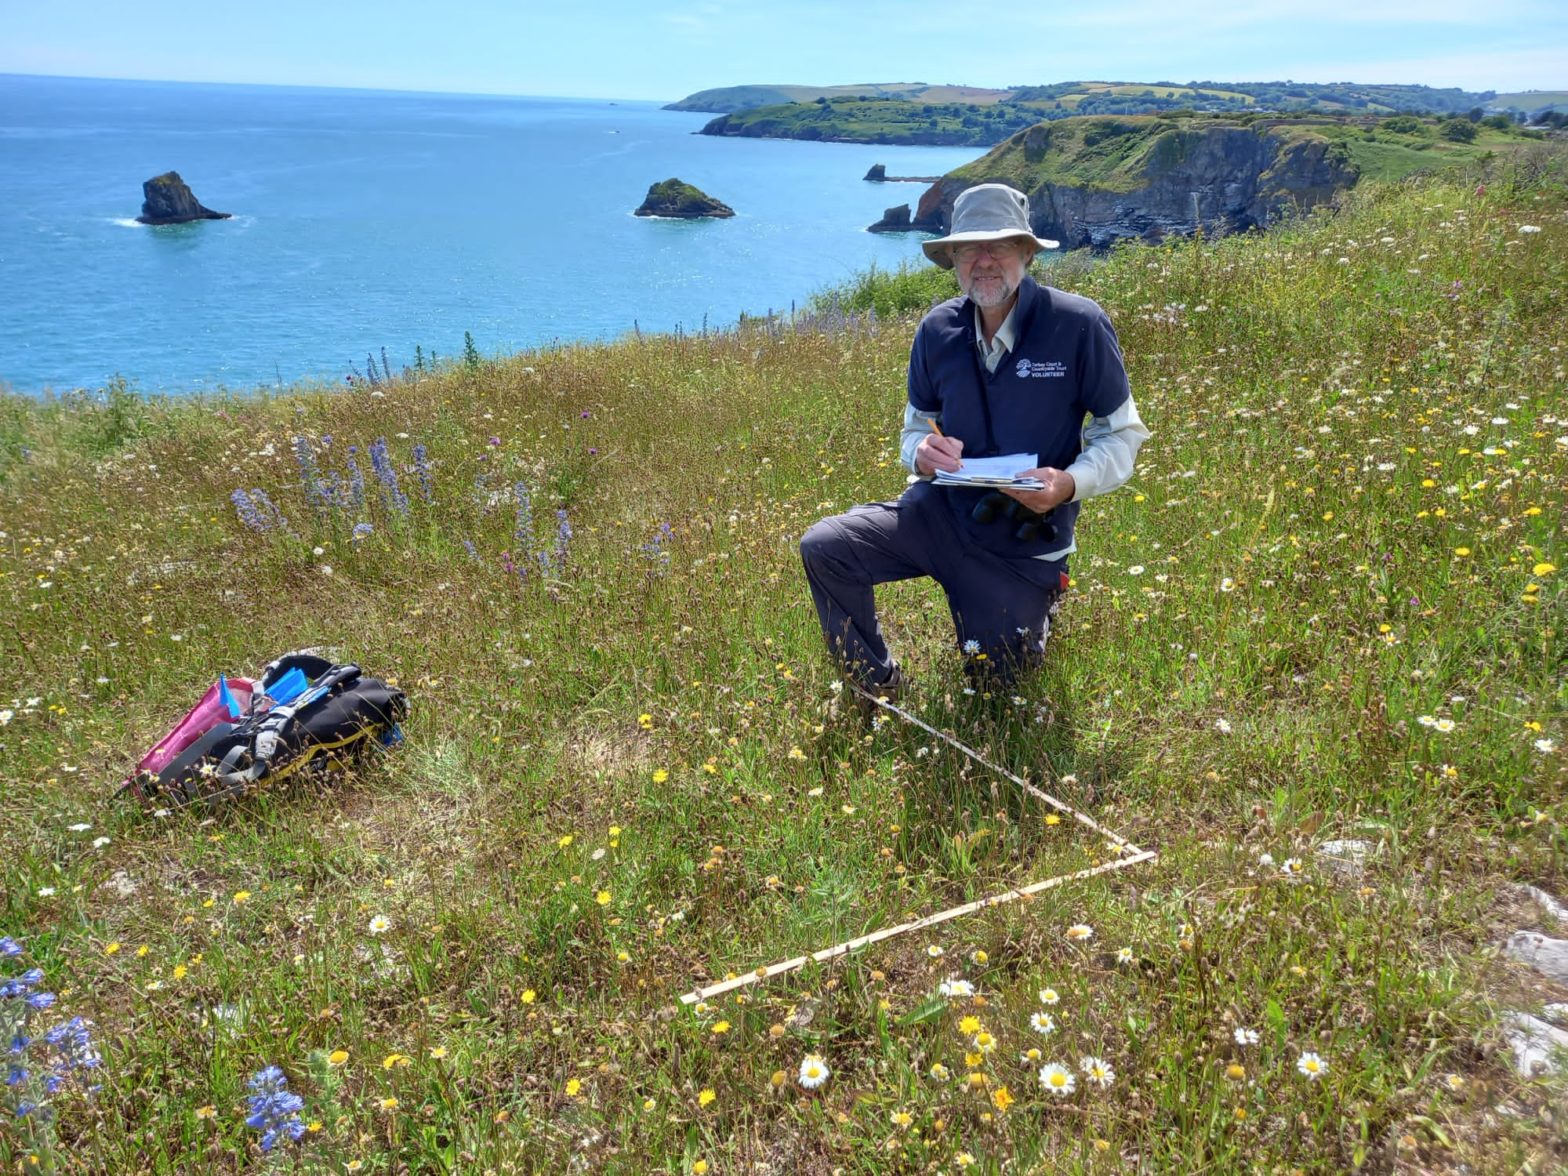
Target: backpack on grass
[304, 713]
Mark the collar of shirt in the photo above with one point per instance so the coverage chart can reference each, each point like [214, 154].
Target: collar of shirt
[1001, 343]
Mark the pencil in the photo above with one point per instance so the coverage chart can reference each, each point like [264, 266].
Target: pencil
[935, 428]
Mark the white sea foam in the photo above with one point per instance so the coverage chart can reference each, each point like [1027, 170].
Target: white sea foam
[126, 222]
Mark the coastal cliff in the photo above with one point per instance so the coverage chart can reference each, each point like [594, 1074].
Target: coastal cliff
[1095, 181]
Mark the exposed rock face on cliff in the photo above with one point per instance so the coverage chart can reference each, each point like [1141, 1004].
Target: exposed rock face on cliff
[676, 198]
[168, 200]
[1095, 181]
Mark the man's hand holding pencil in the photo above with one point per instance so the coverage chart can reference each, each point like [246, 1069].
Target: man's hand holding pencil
[938, 452]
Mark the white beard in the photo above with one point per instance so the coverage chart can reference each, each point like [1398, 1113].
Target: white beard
[989, 295]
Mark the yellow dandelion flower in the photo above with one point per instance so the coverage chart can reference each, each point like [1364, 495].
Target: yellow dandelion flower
[438, 1052]
[969, 1026]
[705, 1097]
[529, 996]
[602, 898]
[111, 948]
[698, 1167]
[1543, 569]
[389, 1103]
[395, 1059]
[241, 896]
[337, 1057]
[564, 840]
[207, 1112]
[721, 1027]
[574, 1087]
[1001, 1099]
[660, 775]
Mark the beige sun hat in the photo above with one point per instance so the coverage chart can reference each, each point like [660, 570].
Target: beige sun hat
[986, 212]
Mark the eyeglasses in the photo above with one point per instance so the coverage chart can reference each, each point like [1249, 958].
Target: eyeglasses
[1003, 250]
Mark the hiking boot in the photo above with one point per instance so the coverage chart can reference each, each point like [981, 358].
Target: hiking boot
[894, 690]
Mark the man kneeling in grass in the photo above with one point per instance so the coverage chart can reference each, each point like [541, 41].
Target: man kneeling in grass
[1012, 367]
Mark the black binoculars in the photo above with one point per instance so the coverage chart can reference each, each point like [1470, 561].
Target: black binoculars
[1031, 525]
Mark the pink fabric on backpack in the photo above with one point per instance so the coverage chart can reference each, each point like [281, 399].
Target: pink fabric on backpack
[204, 716]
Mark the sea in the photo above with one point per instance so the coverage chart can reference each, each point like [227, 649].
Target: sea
[372, 220]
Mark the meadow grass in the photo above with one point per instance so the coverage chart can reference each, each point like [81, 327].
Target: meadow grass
[1328, 606]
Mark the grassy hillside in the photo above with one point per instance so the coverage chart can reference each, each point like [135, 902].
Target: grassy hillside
[1061, 99]
[1531, 101]
[729, 98]
[1328, 606]
[1115, 154]
[880, 120]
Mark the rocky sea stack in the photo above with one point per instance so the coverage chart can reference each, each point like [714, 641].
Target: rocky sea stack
[168, 200]
[676, 198]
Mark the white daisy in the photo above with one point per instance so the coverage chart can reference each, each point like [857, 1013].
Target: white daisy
[955, 987]
[813, 1071]
[1043, 1023]
[1049, 996]
[1080, 931]
[380, 924]
[1097, 1070]
[1124, 955]
[1312, 1066]
[1244, 1036]
[1057, 1079]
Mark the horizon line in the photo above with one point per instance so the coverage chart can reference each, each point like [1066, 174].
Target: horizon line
[7, 73]
[4, 73]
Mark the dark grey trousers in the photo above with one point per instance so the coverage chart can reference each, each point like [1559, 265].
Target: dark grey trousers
[1002, 605]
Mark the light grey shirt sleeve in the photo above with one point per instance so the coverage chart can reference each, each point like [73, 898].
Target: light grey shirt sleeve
[916, 426]
[1110, 446]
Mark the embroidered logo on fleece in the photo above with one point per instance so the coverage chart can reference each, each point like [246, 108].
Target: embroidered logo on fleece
[1035, 369]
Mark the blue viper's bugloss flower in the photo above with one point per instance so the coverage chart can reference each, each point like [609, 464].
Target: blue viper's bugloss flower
[9, 946]
[381, 464]
[273, 1110]
[427, 484]
[249, 515]
[355, 489]
[310, 477]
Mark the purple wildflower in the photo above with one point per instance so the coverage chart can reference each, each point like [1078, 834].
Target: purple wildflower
[273, 1110]
[422, 469]
[381, 464]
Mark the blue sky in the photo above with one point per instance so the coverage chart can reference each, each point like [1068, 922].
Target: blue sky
[652, 49]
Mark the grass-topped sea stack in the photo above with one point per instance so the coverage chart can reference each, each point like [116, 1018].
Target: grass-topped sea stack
[168, 200]
[676, 198]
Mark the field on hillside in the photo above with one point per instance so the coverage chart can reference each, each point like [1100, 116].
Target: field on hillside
[1328, 608]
